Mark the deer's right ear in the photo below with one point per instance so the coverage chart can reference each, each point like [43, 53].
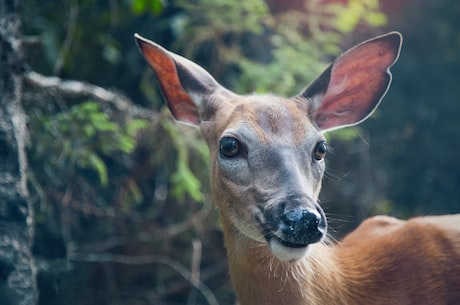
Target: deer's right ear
[352, 87]
[186, 86]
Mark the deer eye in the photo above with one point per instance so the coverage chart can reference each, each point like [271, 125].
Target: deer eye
[320, 150]
[229, 147]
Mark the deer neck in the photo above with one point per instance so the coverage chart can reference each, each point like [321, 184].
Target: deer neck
[260, 278]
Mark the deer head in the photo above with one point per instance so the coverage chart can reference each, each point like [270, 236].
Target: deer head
[267, 152]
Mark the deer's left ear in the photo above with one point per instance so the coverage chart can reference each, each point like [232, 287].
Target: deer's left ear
[351, 88]
[187, 88]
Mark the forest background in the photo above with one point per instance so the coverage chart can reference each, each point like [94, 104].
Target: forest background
[118, 192]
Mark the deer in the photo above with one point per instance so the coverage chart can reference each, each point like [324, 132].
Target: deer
[267, 163]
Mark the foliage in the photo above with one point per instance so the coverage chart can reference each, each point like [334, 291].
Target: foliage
[345, 18]
[278, 53]
[183, 179]
[142, 6]
[81, 137]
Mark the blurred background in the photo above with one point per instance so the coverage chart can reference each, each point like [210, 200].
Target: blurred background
[120, 191]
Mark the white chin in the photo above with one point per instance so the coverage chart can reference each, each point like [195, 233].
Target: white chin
[287, 254]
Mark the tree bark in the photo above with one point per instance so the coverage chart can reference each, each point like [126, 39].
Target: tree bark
[17, 272]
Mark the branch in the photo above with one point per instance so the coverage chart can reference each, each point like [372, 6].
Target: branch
[195, 270]
[75, 88]
[73, 15]
[143, 236]
[144, 260]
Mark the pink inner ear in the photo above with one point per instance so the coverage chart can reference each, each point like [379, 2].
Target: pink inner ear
[179, 102]
[359, 79]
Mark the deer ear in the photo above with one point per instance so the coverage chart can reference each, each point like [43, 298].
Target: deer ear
[351, 88]
[186, 86]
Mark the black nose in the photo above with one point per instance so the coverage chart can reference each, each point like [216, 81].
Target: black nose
[302, 226]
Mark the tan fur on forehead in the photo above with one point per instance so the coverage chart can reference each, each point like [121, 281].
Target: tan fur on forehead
[273, 118]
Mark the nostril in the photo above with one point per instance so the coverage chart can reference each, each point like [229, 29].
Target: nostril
[299, 216]
[293, 216]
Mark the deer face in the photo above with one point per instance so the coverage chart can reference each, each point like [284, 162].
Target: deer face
[267, 167]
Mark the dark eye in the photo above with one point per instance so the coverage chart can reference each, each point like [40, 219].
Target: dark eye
[229, 147]
[320, 150]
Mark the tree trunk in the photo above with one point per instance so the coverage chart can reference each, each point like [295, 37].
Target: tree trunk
[17, 274]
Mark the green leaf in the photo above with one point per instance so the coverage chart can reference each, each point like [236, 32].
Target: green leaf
[97, 164]
[126, 143]
[376, 19]
[185, 182]
[157, 6]
[138, 6]
[135, 125]
[105, 125]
